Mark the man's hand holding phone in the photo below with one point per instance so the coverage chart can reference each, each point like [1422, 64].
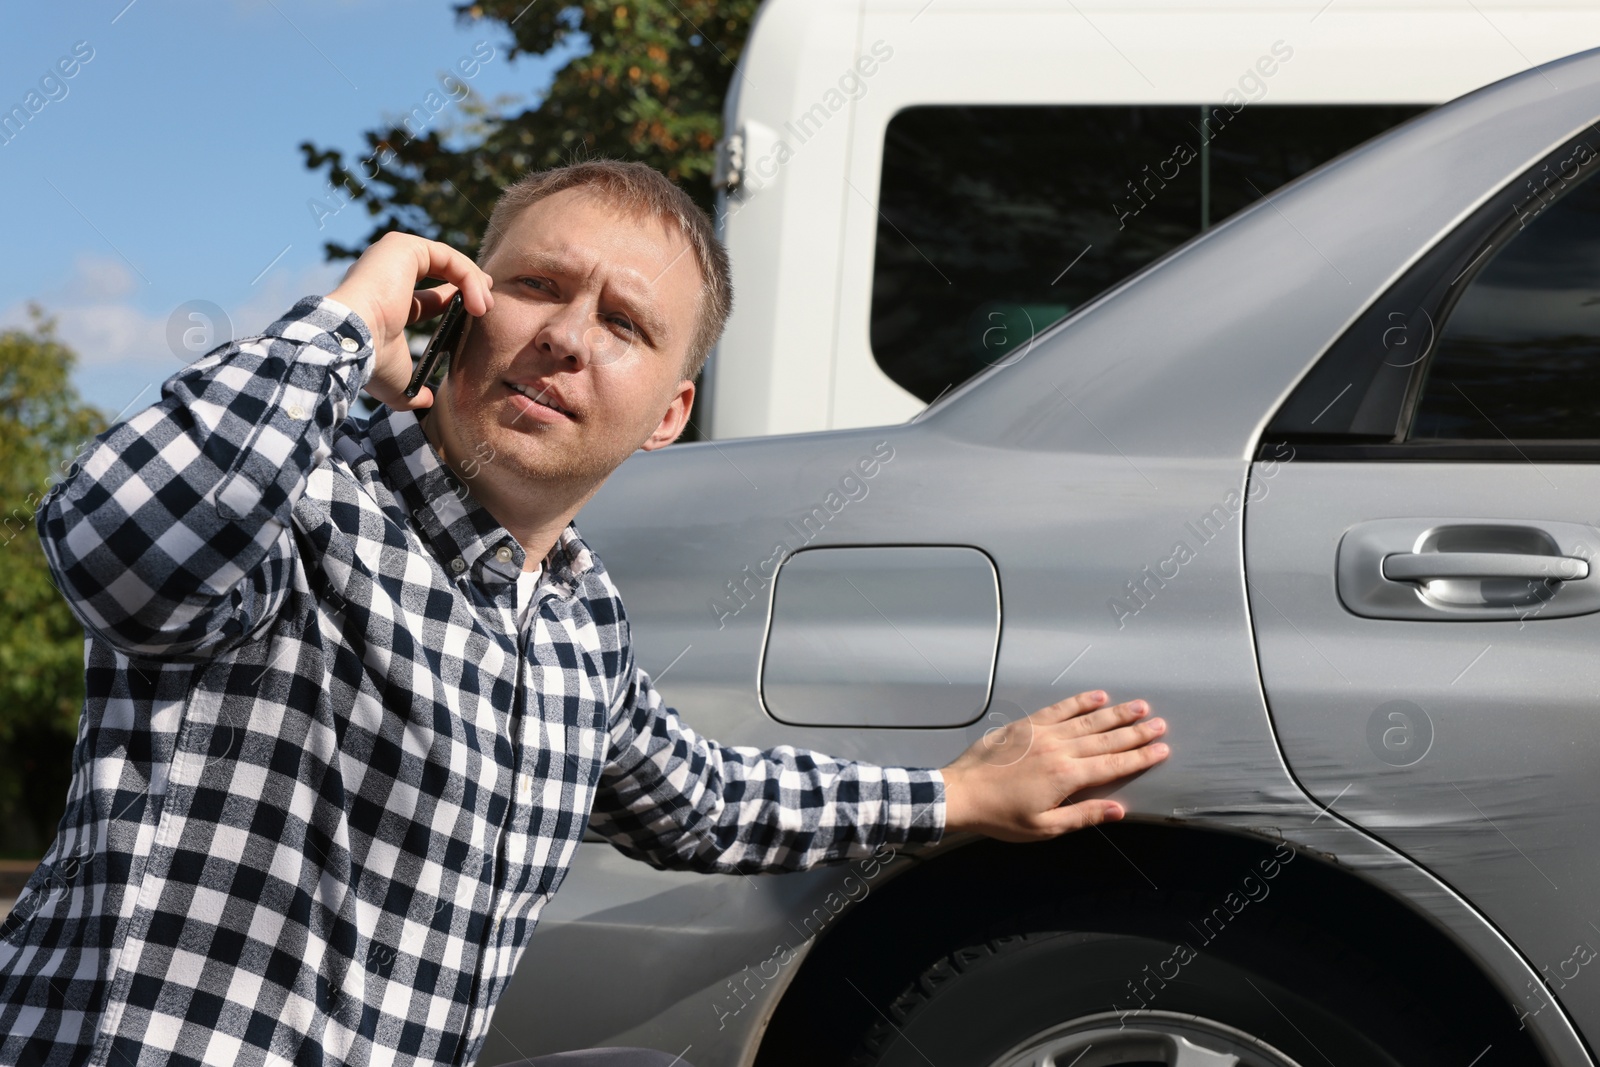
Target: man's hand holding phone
[381, 287]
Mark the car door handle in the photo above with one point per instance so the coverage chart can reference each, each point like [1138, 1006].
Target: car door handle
[1468, 569]
[1429, 566]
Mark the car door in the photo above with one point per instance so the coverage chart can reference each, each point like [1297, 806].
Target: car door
[1424, 570]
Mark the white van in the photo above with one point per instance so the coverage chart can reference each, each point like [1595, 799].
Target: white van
[911, 190]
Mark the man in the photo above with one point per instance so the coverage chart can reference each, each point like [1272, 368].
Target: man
[356, 688]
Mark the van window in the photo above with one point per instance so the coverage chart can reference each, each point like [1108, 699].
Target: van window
[996, 221]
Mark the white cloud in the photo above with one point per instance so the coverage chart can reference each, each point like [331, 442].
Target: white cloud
[278, 291]
[123, 350]
[96, 320]
[94, 278]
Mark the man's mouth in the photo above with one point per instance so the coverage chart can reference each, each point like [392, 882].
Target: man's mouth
[541, 397]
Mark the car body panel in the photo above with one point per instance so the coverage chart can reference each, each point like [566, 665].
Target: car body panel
[1189, 651]
[1498, 792]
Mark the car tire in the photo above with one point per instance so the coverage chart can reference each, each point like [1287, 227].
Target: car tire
[1282, 997]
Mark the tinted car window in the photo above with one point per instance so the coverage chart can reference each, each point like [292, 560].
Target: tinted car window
[1519, 356]
[997, 221]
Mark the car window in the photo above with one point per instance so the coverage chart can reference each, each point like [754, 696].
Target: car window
[996, 221]
[1519, 356]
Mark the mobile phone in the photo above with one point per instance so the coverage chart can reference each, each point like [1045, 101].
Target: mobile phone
[447, 338]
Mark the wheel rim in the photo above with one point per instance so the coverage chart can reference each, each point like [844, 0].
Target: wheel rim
[1143, 1038]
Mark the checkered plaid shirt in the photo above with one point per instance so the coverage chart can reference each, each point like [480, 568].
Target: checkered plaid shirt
[323, 786]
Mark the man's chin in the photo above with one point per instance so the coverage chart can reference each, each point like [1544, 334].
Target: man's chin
[544, 459]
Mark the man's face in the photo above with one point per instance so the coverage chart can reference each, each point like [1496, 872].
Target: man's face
[593, 312]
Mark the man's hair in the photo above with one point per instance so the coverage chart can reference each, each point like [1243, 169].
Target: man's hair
[635, 188]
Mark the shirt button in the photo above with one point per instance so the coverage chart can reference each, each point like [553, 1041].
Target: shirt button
[503, 553]
[458, 565]
[524, 787]
[349, 344]
[295, 411]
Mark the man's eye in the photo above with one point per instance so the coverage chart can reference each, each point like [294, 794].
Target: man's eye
[625, 322]
[534, 281]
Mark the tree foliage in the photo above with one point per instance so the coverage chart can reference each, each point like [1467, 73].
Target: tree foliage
[649, 87]
[43, 428]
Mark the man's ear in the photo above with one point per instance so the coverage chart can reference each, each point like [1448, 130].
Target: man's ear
[676, 418]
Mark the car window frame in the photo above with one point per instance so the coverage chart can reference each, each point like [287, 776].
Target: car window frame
[1380, 406]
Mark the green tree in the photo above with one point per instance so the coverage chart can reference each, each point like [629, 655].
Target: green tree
[649, 86]
[43, 428]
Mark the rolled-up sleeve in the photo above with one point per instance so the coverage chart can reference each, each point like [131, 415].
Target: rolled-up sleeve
[681, 801]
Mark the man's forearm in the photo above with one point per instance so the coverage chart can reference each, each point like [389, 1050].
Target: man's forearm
[678, 800]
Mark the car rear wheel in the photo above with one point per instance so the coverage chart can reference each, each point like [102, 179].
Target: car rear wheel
[1157, 1037]
[1072, 999]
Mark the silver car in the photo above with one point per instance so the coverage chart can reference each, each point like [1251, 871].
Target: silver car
[1323, 485]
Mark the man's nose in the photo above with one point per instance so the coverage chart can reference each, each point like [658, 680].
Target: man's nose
[567, 336]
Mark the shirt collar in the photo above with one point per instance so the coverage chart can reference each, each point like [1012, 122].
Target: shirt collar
[463, 534]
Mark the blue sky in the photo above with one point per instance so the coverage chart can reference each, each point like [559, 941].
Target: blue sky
[168, 171]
